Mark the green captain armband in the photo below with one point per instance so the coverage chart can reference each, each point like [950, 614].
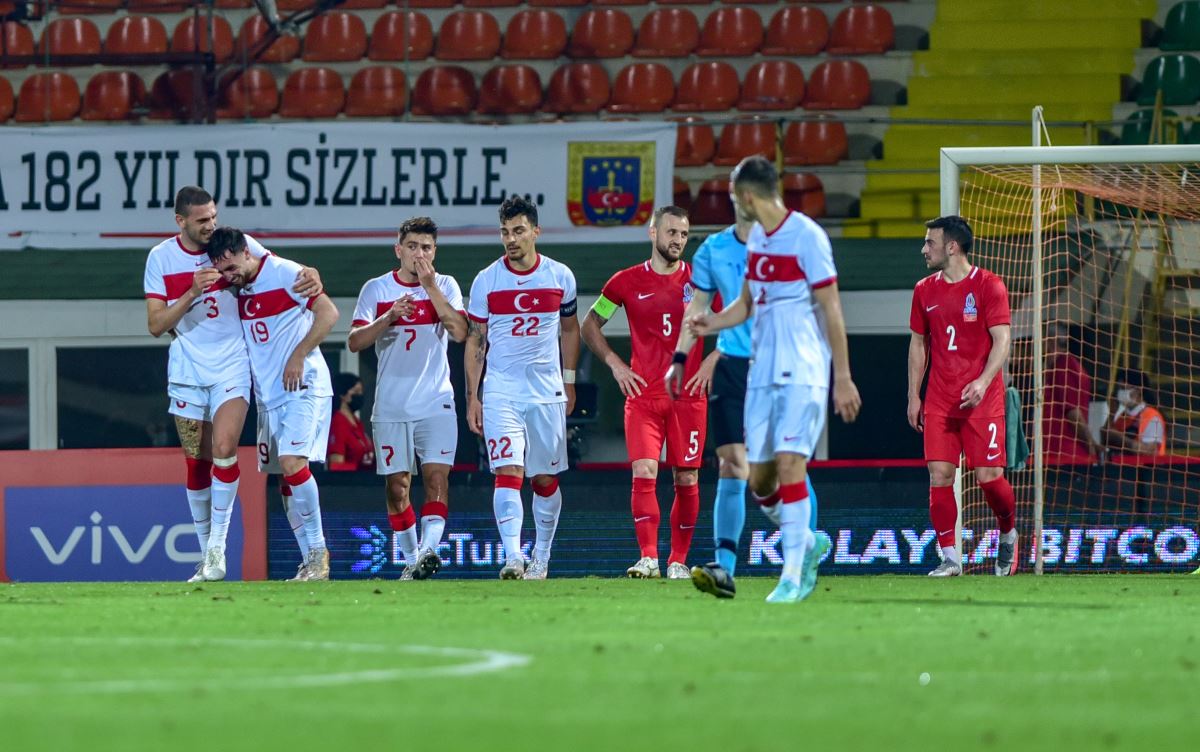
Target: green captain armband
[604, 308]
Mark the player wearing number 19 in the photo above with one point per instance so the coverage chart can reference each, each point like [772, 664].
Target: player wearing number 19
[961, 327]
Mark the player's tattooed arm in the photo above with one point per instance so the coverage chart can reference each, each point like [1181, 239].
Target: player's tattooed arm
[476, 351]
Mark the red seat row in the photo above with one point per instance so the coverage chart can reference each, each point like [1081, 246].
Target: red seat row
[289, 6]
[802, 192]
[819, 141]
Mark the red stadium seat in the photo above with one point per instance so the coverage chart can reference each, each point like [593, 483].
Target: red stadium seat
[70, 36]
[362, 4]
[642, 87]
[712, 205]
[490, 3]
[741, 140]
[707, 87]
[535, 35]
[87, 6]
[377, 91]
[231, 4]
[838, 85]
[749, 2]
[557, 3]
[48, 97]
[6, 99]
[444, 90]
[510, 89]
[577, 88]
[284, 49]
[862, 30]
[191, 36]
[468, 35]
[772, 85]
[136, 35]
[731, 32]
[667, 32]
[681, 193]
[425, 3]
[315, 93]
[805, 194]
[694, 144]
[400, 36]
[683, 2]
[17, 39]
[335, 37]
[157, 6]
[621, 2]
[291, 6]
[113, 95]
[821, 141]
[253, 94]
[603, 33]
[796, 31]
[172, 96]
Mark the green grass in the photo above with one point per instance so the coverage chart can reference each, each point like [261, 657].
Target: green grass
[1057, 663]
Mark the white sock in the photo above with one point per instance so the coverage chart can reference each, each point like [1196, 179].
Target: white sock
[950, 553]
[223, 497]
[546, 510]
[408, 544]
[797, 538]
[200, 502]
[307, 500]
[432, 528]
[297, 523]
[510, 515]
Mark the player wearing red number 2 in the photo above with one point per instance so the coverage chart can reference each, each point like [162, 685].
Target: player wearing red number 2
[654, 294]
[518, 307]
[409, 314]
[961, 327]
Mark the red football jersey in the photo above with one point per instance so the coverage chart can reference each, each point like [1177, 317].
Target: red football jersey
[654, 304]
[956, 318]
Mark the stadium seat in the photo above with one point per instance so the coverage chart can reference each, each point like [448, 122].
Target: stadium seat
[253, 94]
[621, 2]
[804, 193]
[335, 37]
[17, 40]
[468, 35]
[89, 6]
[731, 32]
[70, 36]
[577, 88]
[113, 95]
[284, 49]
[821, 141]
[291, 6]
[510, 89]
[534, 35]
[444, 90]
[157, 6]
[667, 32]
[1181, 30]
[839, 85]
[741, 140]
[172, 96]
[48, 97]
[642, 87]
[400, 36]
[362, 4]
[6, 99]
[681, 193]
[712, 205]
[1176, 75]
[749, 2]
[694, 143]
[377, 91]
[603, 33]
[862, 30]
[557, 3]
[1138, 128]
[772, 85]
[425, 3]
[136, 35]
[490, 3]
[794, 31]
[185, 37]
[230, 4]
[316, 93]
[707, 87]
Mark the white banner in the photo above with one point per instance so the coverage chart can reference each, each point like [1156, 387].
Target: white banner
[331, 183]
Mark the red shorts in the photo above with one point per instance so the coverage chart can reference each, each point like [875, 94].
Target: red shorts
[679, 423]
[980, 439]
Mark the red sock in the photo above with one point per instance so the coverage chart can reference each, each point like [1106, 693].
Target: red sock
[404, 520]
[684, 512]
[199, 474]
[646, 515]
[1000, 497]
[791, 493]
[435, 509]
[767, 501]
[943, 512]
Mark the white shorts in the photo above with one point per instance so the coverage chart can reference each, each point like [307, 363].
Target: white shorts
[202, 402]
[784, 418]
[298, 427]
[532, 435]
[399, 444]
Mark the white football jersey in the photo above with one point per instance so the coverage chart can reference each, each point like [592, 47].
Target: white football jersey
[522, 311]
[275, 319]
[783, 267]
[413, 381]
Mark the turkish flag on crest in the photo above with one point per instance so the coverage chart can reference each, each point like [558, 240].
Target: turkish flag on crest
[507, 302]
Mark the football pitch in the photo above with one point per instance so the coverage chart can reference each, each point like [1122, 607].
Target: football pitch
[1082, 662]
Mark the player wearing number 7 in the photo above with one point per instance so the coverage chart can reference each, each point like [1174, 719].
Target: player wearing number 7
[654, 294]
[961, 327]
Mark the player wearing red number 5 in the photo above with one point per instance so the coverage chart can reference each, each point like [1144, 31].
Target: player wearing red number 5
[518, 307]
[208, 369]
[291, 380]
[654, 294]
[409, 315]
[961, 327]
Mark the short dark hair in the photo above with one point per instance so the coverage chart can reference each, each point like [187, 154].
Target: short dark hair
[673, 211]
[515, 206]
[954, 228]
[758, 174]
[418, 226]
[189, 196]
[225, 240]
[344, 382]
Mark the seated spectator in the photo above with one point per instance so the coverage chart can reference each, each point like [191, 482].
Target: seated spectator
[1136, 428]
[1068, 390]
[349, 446]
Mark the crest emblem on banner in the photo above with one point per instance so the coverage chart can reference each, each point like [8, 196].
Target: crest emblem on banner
[610, 182]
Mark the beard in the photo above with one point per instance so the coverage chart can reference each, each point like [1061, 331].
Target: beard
[664, 252]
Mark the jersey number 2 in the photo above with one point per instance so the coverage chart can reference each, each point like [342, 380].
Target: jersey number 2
[951, 346]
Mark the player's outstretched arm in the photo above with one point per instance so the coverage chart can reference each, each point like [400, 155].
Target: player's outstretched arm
[846, 401]
[162, 318]
[630, 383]
[730, 316]
[918, 355]
[455, 321]
[325, 315]
[697, 306]
[476, 349]
[362, 337]
[569, 344]
[973, 392]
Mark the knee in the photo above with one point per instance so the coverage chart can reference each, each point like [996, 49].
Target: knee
[397, 488]
[292, 465]
[645, 469]
[988, 474]
[937, 478]
[686, 477]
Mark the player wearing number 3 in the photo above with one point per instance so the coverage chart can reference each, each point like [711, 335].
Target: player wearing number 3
[961, 327]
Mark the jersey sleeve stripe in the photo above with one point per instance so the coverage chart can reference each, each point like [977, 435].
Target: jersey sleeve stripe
[477, 319]
[359, 322]
[156, 296]
[824, 283]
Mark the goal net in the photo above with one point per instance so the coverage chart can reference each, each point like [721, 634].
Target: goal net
[1100, 249]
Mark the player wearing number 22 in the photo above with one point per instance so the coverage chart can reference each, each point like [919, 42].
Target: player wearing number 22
[961, 327]
[654, 294]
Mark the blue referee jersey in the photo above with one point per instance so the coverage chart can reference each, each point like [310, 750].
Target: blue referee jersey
[720, 266]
